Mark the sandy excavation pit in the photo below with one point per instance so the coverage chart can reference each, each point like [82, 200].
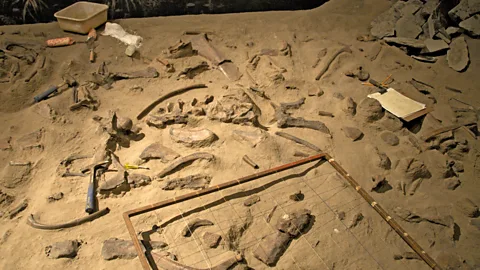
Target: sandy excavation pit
[250, 87]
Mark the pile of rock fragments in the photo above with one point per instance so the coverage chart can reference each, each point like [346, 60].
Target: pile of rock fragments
[427, 29]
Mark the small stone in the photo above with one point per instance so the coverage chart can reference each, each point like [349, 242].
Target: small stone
[295, 222]
[452, 183]
[338, 95]
[130, 50]
[370, 110]
[315, 91]
[472, 26]
[251, 200]
[297, 196]
[391, 122]
[138, 180]
[457, 56]
[341, 215]
[211, 240]
[55, 197]
[65, 249]
[467, 207]
[435, 45]
[389, 138]
[352, 133]
[349, 106]
[355, 220]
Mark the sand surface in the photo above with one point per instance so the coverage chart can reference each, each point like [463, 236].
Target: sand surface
[329, 243]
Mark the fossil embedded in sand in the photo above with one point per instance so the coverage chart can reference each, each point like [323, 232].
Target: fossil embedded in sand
[197, 181]
[158, 151]
[193, 137]
[194, 224]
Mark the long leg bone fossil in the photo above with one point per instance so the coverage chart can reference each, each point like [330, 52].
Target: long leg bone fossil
[183, 160]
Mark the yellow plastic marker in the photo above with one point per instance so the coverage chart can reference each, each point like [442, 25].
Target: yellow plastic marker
[134, 167]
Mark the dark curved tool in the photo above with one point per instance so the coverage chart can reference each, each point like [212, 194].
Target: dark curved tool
[91, 206]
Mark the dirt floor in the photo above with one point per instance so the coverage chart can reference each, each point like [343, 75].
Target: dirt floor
[430, 197]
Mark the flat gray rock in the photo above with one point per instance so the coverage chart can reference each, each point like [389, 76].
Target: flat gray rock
[115, 248]
[472, 26]
[407, 27]
[457, 56]
[464, 9]
[370, 110]
[272, 247]
[65, 249]
[435, 45]
[211, 240]
[384, 24]
[294, 223]
[391, 122]
[352, 133]
[389, 138]
[453, 31]
[402, 41]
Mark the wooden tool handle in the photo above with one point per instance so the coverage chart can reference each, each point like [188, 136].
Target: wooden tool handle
[92, 56]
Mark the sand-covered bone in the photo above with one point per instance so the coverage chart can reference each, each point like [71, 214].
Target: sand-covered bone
[199, 137]
[194, 224]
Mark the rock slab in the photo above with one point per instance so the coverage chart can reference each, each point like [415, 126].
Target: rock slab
[211, 240]
[115, 248]
[352, 133]
[65, 249]
[272, 247]
[457, 56]
[390, 138]
[294, 223]
[472, 26]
